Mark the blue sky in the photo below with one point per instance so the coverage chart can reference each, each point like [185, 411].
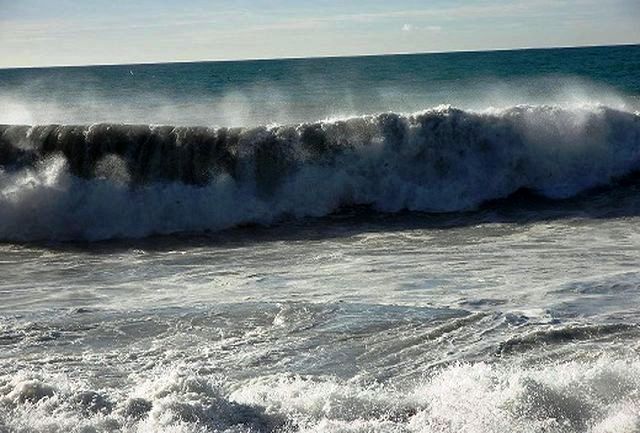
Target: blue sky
[72, 32]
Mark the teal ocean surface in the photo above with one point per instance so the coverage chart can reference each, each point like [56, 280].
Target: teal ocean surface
[410, 243]
[251, 93]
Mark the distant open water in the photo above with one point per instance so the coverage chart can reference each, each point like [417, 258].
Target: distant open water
[425, 243]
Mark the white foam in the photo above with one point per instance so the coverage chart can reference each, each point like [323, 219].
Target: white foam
[601, 395]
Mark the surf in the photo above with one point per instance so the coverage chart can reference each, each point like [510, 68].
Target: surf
[105, 181]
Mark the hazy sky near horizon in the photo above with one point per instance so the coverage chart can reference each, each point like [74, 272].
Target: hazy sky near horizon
[71, 32]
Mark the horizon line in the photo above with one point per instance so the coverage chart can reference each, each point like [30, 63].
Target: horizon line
[320, 57]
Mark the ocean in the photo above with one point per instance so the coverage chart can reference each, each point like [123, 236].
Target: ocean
[409, 243]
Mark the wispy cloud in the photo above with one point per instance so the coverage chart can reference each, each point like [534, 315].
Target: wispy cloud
[243, 20]
[412, 28]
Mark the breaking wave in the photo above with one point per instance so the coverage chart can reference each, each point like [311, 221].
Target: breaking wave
[103, 181]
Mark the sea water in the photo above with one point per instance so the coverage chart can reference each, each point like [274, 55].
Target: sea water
[420, 243]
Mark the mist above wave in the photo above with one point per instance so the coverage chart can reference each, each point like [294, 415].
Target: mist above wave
[106, 181]
[83, 98]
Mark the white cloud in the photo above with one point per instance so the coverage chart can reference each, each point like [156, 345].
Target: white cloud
[410, 28]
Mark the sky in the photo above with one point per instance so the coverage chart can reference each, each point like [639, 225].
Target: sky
[81, 32]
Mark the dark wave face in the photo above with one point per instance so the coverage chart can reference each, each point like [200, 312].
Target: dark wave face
[63, 182]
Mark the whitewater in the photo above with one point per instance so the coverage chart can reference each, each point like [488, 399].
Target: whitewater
[108, 181]
[441, 243]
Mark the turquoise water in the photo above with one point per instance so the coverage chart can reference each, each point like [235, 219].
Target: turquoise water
[292, 91]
